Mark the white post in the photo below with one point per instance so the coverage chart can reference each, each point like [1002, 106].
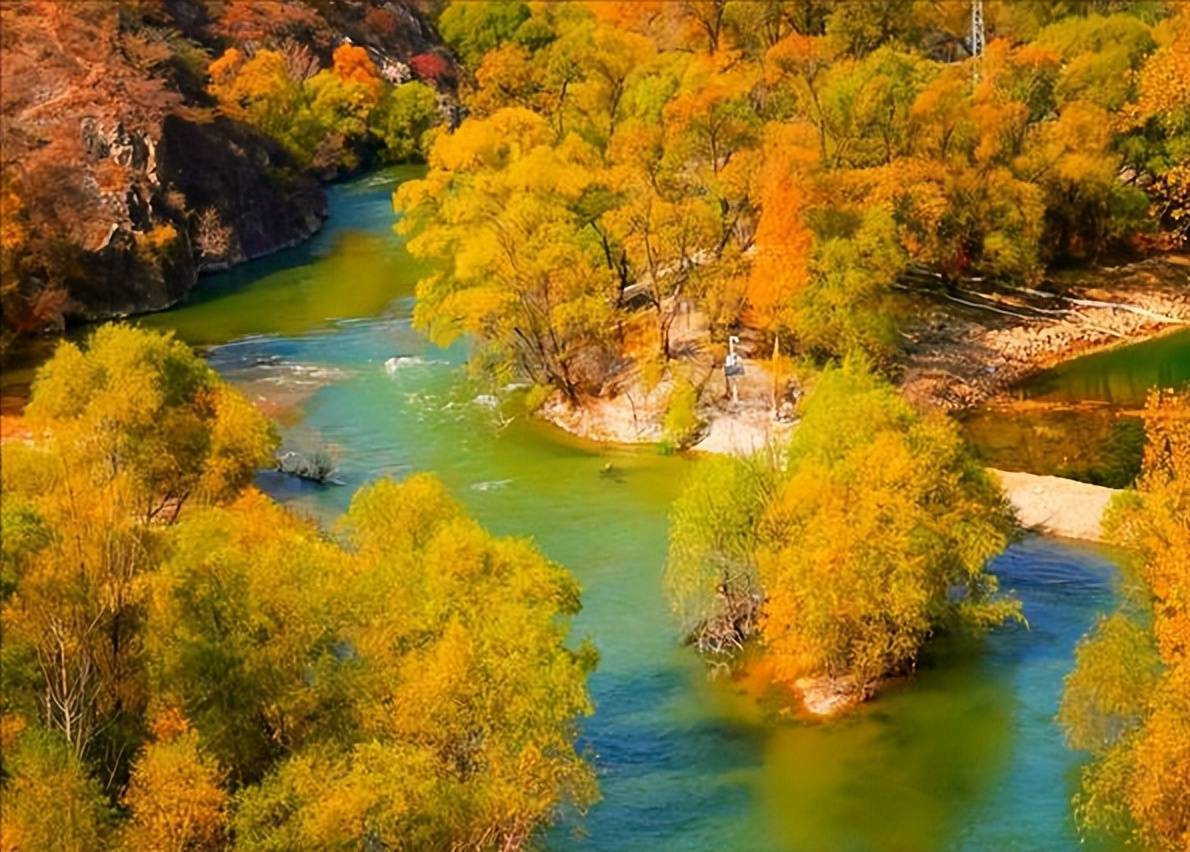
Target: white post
[733, 359]
[977, 38]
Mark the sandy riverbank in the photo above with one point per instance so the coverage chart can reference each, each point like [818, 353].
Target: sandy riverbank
[1056, 506]
[961, 351]
[1047, 504]
[729, 428]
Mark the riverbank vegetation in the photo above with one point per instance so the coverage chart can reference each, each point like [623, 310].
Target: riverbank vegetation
[843, 552]
[780, 167]
[188, 665]
[145, 141]
[326, 118]
[1127, 702]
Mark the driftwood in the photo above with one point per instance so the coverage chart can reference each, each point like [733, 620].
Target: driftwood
[979, 299]
[724, 633]
[315, 466]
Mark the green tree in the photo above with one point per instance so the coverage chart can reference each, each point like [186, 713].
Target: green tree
[142, 407]
[135, 430]
[846, 305]
[681, 415]
[474, 28]
[407, 114]
[714, 533]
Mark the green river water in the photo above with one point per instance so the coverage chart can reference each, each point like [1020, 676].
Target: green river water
[1080, 419]
[966, 756]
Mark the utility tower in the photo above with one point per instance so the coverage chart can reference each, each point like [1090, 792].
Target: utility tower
[977, 37]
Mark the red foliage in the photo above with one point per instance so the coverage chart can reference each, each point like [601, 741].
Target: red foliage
[430, 66]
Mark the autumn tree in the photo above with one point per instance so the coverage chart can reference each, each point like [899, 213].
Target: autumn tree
[664, 242]
[49, 800]
[862, 26]
[134, 429]
[175, 795]
[710, 574]
[326, 118]
[414, 689]
[256, 89]
[246, 22]
[1127, 702]
[499, 210]
[188, 665]
[140, 407]
[868, 535]
[472, 29]
[1161, 145]
[406, 115]
[846, 304]
[781, 163]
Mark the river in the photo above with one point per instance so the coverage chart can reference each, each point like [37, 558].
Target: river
[1080, 419]
[966, 756]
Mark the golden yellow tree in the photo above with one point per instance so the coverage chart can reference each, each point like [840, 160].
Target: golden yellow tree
[175, 794]
[1127, 701]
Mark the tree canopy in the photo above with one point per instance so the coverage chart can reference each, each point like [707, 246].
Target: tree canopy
[324, 117]
[845, 551]
[780, 165]
[1127, 702]
[188, 665]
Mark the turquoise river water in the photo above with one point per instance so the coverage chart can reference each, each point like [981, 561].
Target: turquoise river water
[966, 756]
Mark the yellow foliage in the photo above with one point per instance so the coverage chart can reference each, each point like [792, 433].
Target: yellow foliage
[1139, 732]
[175, 794]
[1165, 77]
[416, 682]
[870, 534]
[157, 239]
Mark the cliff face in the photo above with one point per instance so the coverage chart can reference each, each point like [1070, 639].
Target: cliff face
[246, 202]
[121, 181]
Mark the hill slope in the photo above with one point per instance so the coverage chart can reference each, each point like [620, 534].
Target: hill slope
[122, 181]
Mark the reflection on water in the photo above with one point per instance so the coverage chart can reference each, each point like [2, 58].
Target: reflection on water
[1121, 376]
[352, 268]
[1079, 419]
[965, 756]
[1099, 444]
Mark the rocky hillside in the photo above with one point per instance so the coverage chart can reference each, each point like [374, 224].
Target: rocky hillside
[122, 179]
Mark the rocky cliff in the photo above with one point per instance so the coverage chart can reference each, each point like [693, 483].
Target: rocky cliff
[122, 182]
